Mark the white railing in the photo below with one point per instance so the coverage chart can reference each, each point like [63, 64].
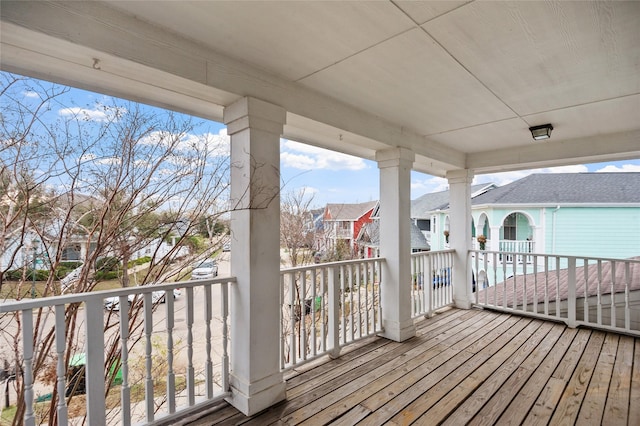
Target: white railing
[431, 286]
[166, 375]
[326, 307]
[516, 251]
[595, 292]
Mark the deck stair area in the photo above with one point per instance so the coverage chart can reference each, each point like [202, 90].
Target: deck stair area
[465, 367]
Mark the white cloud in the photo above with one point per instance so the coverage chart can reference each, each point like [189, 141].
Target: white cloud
[99, 114]
[429, 185]
[504, 178]
[31, 94]
[307, 157]
[615, 169]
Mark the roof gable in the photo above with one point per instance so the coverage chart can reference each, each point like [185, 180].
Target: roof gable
[349, 212]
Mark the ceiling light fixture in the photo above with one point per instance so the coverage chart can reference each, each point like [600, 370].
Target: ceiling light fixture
[541, 132]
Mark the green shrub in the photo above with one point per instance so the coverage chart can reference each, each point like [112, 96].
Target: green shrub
[107, 264]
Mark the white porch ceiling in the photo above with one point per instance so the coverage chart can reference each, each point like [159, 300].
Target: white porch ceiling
[459, 83]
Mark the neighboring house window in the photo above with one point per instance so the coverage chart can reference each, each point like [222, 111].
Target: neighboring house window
[424, 225]
[509, 227]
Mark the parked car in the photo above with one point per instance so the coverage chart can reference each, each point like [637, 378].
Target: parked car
[226, 247]
[205, 270]
[113, 303]
[158, 296]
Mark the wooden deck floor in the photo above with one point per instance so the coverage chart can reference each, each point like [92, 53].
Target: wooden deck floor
[467, 367]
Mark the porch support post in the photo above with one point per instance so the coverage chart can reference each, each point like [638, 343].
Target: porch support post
[494, 243]
[395, 242]
[460, 237]
[255, 128]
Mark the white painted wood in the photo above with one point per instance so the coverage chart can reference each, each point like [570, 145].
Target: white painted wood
[27, 338]
[460, 238]
[395, 242]
[148, 357]
[255, 127]
[94, 370]
[171, 376]
[125, 389]
[191, 381]
[334, 308]
[208, 314]
[571, 292]
[224, 309]
[61, 368]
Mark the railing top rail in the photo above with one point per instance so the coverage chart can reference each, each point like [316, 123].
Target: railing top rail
[427, 253]
[329, 264]
[16, 305]
[603, 259]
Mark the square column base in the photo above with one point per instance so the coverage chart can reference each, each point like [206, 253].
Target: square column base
[251, 400]
[398, 332]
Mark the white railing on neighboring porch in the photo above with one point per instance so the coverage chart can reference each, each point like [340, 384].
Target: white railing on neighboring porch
[516, 251]
[328, 306]
[431, 286]
[167, 334]
[595, 292]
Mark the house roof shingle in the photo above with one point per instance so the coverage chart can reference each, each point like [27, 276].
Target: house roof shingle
[438, 200]
[348, 211]
[559, 188]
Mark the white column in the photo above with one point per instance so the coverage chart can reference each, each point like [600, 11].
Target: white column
[255, 128]
[494, 243]
[395, 241]
[460, 234]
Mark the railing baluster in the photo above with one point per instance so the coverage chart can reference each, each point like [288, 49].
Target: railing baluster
[293, 348]
[224, 299]
[191, 392]
[207, 319]
[571, 292]
[627, 286]
[557, 286]
[599, 294]
[314, 295]
[585, 306]
[125, 390]
[27, 338]
[302, 322]
[171, 375]
[613, 294]
[535, 284]
[148, 329]
[334, 311]
[61, 370]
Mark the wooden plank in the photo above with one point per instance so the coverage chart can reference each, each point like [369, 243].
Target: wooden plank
[453, 371]
[352, 417]
[634, 397]
[568, 363]
[616, 410]
[311, 396]
[482, 383]
[421, 362]
[573, 395]
[500, 395]
[526, 398]
[542, 410]
[592, 407]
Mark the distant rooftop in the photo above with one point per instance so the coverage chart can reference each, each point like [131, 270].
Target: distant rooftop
[566, 188]
[439, 200]
[348, 211]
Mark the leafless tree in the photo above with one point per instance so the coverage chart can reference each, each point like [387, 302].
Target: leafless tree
[112, 178]
[297, 227]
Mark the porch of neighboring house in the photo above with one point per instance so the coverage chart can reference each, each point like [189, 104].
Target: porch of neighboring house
[464, 367]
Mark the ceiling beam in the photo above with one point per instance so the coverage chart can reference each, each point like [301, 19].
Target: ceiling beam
[598, 148]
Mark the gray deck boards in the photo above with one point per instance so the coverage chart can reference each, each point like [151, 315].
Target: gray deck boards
[466, 367]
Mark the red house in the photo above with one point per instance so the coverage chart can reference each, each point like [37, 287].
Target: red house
[342, 222]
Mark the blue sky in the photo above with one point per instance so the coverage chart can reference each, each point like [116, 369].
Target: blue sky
[330, 176]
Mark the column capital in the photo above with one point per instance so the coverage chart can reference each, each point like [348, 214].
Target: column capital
[254, 113]
[460, 176]
[395, 157]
